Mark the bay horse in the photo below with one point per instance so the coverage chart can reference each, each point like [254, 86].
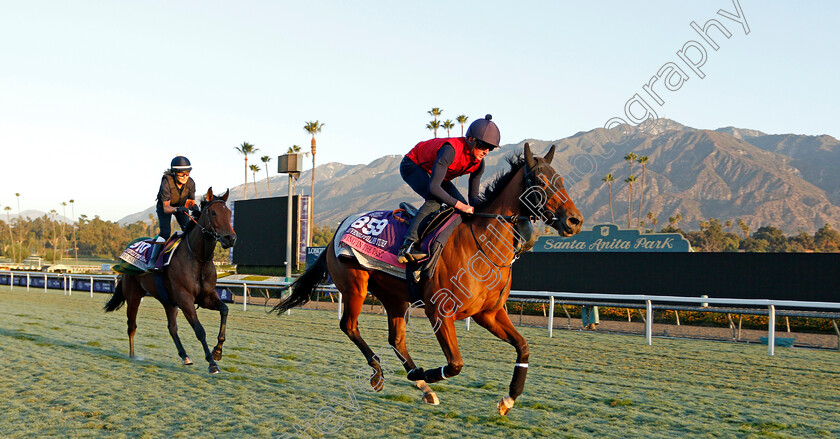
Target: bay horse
[190, 279]
[472, 276]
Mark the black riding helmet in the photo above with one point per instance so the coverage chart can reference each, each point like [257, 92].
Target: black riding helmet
[485, 132]
[180, 164]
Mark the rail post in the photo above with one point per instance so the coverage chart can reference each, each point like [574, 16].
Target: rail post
[91, 287]
[68, 280]
[649, 322]
[551, 317]
[11, 280]
[468, 323]
[339, 305]
[244, 296]
[27, 282]
[771, 330]
[45, 282]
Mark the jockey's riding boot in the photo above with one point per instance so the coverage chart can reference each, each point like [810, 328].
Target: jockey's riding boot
[409, 252]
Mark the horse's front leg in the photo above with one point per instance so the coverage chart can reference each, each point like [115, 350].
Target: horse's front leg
[448, 340]
[192, 317]
[499, 324]
[223, 312]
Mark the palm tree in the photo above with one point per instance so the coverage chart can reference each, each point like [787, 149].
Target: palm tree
[312, 128]
[9, 225]
[254, 170]
[609, 179]
[642, 160]
[630, 157]
[448, 125]
[61, 247]
[245, 149]
[435, 112]
[20, 233]
[294, 149]
[433, 126]
[630, 180]
[651, 219]
[462, 119]
[73, 213]
[265, 159]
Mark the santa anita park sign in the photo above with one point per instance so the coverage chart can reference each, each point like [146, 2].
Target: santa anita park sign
[609, 238]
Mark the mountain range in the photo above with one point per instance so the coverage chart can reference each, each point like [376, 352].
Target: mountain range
[784, 180]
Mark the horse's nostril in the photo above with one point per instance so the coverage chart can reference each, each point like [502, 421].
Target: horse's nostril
[574, 221]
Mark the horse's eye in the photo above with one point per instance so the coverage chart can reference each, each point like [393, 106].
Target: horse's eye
[212, 213]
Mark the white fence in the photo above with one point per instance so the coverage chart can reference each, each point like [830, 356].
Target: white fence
[551, 296]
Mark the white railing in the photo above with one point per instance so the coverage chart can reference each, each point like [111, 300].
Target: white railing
[551, 296]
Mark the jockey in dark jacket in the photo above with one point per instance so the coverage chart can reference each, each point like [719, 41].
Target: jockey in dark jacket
[175, 196]
[430, 167]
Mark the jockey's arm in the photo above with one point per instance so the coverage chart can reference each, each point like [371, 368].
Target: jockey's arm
[167, 208]
[445, 157]
[475, 183]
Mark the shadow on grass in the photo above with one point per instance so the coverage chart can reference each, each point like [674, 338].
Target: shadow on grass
[91, 347]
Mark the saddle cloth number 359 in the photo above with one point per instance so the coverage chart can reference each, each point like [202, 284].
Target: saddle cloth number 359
[370, 226]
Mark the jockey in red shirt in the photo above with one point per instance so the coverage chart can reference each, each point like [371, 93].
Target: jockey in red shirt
[430, 167]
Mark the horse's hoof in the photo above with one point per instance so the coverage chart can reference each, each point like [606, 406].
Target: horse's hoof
[505, 405]
[431, 398]
[217, 353]
[377, 382]
[415, 374]
[187, 361]
[214, 368]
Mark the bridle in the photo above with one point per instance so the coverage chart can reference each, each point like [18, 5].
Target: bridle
[206, 231]
[519, 222]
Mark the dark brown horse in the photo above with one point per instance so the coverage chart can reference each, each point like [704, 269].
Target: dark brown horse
[190, 279]
[472, 277]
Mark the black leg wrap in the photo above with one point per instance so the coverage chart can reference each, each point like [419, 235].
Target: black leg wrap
[517, 384]
[415, 374]
[434, 375]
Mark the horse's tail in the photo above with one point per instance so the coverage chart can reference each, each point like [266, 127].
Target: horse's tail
[303, 287]
[117, 300]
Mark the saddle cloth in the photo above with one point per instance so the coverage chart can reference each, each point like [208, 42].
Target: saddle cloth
[144, 254]
[374, 239]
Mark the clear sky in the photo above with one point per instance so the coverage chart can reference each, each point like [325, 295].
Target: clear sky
[96, 97]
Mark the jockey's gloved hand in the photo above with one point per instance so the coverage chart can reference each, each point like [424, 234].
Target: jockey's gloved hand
[182, 209]
[195, 210]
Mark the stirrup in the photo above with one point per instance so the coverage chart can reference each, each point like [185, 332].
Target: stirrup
[408, 254]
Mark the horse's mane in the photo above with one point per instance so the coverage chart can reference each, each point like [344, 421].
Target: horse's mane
[495, 187]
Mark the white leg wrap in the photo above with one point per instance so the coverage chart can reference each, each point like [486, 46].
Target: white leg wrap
[525, 365]
[443, 372]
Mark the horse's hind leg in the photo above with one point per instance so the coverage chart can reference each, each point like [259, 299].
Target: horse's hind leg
[353, 285]
[189, 312]
[133, 303]
[172, 321]
[499, 324]
[132, 293]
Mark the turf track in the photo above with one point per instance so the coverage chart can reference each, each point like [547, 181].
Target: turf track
[66, 373]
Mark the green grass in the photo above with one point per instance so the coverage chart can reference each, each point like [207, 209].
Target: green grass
[71, 376]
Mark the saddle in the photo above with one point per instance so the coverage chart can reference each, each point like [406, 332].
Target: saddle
[143, 255]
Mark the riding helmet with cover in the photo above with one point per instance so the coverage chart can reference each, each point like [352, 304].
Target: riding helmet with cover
[485, 131]
[180, 164]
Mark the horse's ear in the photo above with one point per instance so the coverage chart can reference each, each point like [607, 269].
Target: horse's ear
[529, 157]
[548, 157]
[209, 195]
[225, 196]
